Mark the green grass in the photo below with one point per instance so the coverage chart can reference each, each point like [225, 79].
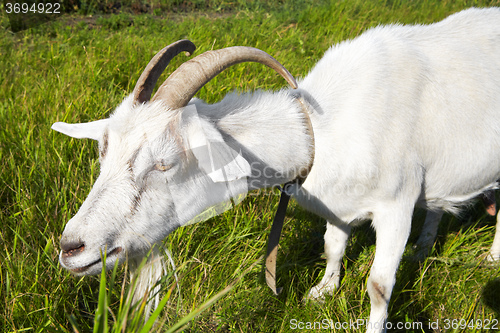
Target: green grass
[78, 68]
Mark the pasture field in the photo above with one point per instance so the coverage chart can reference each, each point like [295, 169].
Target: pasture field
[79, 67]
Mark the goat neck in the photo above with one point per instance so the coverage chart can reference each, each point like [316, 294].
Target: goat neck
[272, 131]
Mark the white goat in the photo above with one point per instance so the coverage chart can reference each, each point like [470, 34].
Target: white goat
[402, 115]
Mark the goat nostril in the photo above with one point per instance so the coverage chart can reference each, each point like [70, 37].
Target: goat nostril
[71, 248]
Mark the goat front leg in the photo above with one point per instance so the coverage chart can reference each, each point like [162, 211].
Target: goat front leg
[336, 237]
[392, 226]
[428, 234]
[494, 254]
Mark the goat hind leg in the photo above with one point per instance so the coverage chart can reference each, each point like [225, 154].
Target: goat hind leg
[336, 237]
[428, 234]
[494, 254]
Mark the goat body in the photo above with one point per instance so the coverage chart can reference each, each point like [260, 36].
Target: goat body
[402, 116]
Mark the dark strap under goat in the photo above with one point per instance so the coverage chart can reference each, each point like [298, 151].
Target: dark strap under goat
[279, 218]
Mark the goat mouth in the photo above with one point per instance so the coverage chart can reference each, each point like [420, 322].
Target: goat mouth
[83, 269]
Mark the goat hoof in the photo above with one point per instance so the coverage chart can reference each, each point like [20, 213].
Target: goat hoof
[318, 293]
[420, 255]
[419, 252]
[493, 257]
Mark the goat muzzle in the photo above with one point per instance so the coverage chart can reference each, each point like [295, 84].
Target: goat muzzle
[70, 248]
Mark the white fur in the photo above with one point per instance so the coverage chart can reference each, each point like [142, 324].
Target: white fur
[402, 115]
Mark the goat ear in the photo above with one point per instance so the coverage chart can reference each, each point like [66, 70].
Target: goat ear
[92, 130]
[227, 164]
[219, 161]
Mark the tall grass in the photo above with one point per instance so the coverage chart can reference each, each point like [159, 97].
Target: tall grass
[78, 68]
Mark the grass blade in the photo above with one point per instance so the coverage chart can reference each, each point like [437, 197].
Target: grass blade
[101, 316]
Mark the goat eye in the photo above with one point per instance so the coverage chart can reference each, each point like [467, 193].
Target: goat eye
[162, 167]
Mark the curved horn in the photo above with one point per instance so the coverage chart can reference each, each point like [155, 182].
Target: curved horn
[146, 83]
[182, 85]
